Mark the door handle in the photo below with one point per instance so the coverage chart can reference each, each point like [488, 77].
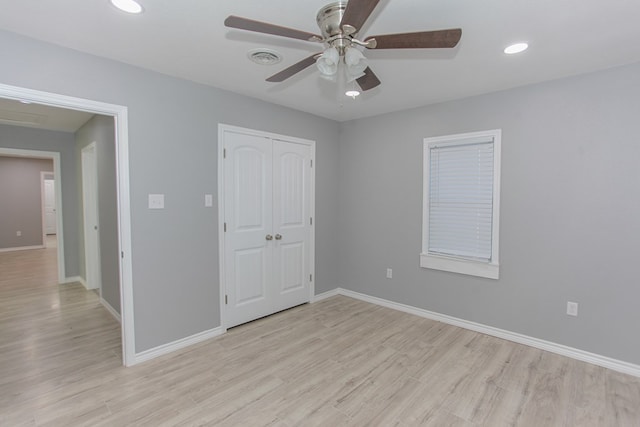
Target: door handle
[268, 237]
[278, 237]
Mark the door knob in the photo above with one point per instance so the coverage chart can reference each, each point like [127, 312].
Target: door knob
[278, 237]
[269, 237]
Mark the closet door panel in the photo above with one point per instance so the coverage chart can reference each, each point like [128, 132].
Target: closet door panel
[248, 217]
[291, 222]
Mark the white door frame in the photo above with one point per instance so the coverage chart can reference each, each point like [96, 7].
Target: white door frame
[43, 178]
[222, 128]
[120, 114]
[91, 216]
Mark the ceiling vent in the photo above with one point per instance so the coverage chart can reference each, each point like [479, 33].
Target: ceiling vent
[264, 56]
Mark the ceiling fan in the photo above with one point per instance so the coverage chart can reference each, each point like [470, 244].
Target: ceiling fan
[339, 24]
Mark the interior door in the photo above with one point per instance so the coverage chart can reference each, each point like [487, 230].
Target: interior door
[267, 215]
[291, 223]
[90, 217]
[49, 206]
[248, 219]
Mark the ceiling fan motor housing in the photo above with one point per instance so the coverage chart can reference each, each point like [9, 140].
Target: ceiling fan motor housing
[329, 19]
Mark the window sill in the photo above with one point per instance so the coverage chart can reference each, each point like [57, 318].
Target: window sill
[454, 265]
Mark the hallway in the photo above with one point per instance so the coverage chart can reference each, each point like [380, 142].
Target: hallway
[52, 335]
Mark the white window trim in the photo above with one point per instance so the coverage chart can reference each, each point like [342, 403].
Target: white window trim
[453, 264]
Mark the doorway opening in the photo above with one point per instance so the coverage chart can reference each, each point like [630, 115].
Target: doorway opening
[120, 115]
[33, 157]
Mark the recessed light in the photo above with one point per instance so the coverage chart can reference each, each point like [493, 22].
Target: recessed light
[129, 6]
[516, 48]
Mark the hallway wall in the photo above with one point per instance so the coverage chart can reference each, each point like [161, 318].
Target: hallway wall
[21, 201]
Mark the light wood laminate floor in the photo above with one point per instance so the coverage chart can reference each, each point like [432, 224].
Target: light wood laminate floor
[336, 362]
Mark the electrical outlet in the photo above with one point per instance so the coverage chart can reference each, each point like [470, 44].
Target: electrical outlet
[572, 308]
[18, 233]
[389, 273]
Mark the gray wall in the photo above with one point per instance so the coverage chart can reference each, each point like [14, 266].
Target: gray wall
[173, 128]
[62, 142]
[101, 129]
[21, 201]
[570, 204]
[569, 210]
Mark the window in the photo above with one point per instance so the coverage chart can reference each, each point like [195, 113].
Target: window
[462, 203]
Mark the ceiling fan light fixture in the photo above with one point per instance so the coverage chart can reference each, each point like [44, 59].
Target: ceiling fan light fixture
[356, 63]
[342, 60]
[129, 6]
[328, 62]
[516, 48]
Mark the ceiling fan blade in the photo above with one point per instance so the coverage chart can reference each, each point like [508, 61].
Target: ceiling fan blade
[368, 81]
[357, 12]
[419, 40]
[294, 69]
[264, 27]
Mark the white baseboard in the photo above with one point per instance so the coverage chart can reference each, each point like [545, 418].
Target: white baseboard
[161, 350]
[563, 350]
[325, 295]
[111, 310]
[22, 248]
[78, 279]
[74, 279]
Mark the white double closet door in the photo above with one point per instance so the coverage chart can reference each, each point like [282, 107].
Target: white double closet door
[268, 220]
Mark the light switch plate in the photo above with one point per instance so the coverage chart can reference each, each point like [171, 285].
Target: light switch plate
[156, 201]
[572, 308]
[208, 200]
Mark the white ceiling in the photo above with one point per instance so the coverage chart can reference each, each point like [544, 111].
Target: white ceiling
[187, 39]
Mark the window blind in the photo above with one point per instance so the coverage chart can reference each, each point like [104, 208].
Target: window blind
[461, 200]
